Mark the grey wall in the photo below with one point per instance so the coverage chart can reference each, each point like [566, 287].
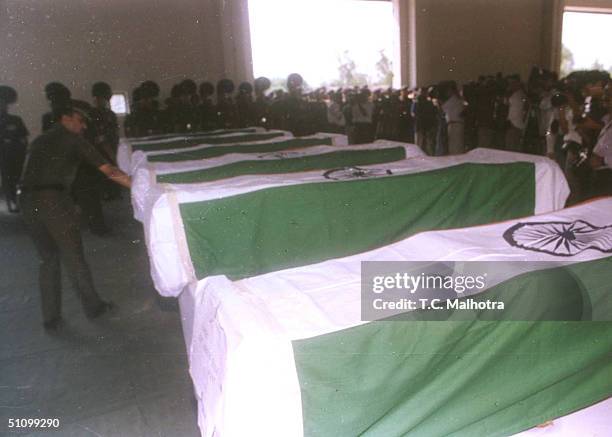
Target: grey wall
[124, 42]
[461, 39]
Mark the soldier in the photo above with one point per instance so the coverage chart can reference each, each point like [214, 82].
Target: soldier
[13, 143]
[225, 109]
[185, 114]
[359, 115]
[49, 214]
[146, 119]
[262, 103]
[291, 110]
[105, 133]
[245, 107]
[206, 110]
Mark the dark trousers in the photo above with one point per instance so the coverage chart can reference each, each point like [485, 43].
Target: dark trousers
[54, 226]
[11, 164]
[87, 191]
[601, 183]
[361, 133]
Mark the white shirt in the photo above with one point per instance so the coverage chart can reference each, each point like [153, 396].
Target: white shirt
[362, 112]
[603, 147]
[546, 113]
[335, 115]
[453, 109]
[516, 109]
[572, 134]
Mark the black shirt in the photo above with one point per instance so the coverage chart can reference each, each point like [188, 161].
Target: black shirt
[105, 129]
[54, 157]
[13, 133]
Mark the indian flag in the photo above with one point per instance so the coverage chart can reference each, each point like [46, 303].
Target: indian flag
[125, 151]
[130, 148]
[287, 354]
[264, 158]
[249, 225]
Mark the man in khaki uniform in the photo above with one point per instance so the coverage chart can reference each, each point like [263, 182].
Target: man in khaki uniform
[49, 213]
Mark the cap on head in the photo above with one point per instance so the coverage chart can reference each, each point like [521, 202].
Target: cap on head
[57, 92]
[207, 89]
[245, 88]
[101, 89]
[8, 95]
[262, 84]
[188, 87]
[149, 89]
[225, 86]
[294, 80]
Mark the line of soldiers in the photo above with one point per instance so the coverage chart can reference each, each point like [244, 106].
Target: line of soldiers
[356, 111]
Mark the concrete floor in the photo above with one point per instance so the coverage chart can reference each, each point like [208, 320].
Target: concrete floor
[123, 375]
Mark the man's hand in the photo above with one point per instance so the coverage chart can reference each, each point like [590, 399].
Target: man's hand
[116, 175]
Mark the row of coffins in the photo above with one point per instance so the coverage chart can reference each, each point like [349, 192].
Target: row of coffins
[262, 237]
[287, 352]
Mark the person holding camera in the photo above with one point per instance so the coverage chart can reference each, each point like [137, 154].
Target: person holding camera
[585, 92]
[601, 159]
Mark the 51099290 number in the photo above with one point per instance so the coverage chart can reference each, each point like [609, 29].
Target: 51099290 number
[22, 422]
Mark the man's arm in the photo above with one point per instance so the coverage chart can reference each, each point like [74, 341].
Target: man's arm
[116, 175]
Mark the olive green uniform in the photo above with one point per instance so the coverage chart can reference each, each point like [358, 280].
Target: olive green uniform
[49, 214]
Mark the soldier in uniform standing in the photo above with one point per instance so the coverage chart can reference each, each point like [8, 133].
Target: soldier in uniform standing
[185, 115]
[261, 105]
[146, 118]
[105, 133]
[13, 143]
[51, 164]
[206, 109]
[245, 106]
[225, 110]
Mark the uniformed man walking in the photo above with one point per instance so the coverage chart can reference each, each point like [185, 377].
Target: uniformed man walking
[49, 213]
[13, 142]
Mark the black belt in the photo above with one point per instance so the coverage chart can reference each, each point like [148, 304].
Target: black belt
[45, 187]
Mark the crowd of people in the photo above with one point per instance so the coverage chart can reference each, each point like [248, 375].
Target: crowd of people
[543, 115]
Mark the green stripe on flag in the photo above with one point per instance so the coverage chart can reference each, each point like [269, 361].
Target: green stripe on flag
[202, 134]
[458, 378]
[287, 165]
[275, 228]
[213, 152]
[196, 141]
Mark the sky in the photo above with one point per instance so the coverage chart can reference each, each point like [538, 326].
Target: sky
[588, 37]
[307, 37]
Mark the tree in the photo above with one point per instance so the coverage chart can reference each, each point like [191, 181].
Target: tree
[597, 65]
[347, 70]
[385, 70]
[567, 61]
